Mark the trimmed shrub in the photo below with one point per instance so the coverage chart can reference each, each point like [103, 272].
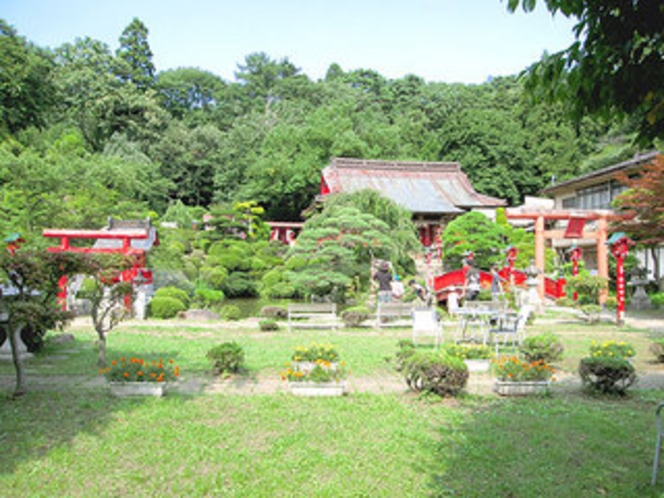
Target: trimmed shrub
[354, 316]
[606, 374]
[274, 312]
[542, 347]
[657, 299]
[432, 371]
[657, 349]
[175, 293]
[226, 358]
[166, 307]
[231, 312]
[240, 284]
[469, 351]
[268, 325]
[207, 297]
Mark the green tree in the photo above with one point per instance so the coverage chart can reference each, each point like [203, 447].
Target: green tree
[27, 93]
[33, 277]
[473, 232]
[615, 68]
[186, 92]
[334, 250]
[135, 53]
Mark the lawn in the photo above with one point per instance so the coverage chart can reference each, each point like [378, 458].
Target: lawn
[68, 438]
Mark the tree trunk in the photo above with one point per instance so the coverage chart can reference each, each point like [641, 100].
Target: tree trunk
[102, 348]
[13, 336]
[659, 279]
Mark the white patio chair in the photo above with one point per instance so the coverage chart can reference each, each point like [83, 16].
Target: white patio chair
[425, 323]
[511, 326]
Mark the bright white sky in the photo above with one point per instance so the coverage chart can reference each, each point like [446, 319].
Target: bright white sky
[440, 40]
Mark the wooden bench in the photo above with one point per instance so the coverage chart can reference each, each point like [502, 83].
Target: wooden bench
[312, 315]
[394, 315]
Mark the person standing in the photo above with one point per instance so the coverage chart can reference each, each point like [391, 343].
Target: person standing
[496, 284]
[472, 283]
[384, 278]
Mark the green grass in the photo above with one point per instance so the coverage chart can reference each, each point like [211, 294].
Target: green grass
[76, 441]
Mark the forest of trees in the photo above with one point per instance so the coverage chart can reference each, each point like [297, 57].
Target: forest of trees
[88, 132]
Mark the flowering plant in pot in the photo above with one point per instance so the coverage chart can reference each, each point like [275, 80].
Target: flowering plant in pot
[135, 369]
[133, 376]
[513, 369]
[477, 357]
[521, 377]
[316, 370]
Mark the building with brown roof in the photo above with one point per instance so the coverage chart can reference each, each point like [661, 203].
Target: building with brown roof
[435, 192]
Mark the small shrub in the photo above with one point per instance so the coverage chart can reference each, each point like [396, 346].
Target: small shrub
[432, 371]
[542, 347]
[231, 312]
[565, 302]
[208, 298]
[469, 351]
[175, 293]
[166, 307]
[657, 299]
[611, 303]
[274, 312]
[591, 312]
[268, 325]
[657, 348]
[354, 316]
[607, 375]
[226, 358]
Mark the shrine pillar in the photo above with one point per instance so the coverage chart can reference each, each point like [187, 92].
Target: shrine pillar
[602, 256]
[540, 256]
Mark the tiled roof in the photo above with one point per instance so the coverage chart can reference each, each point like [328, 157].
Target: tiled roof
[604, 173]
[421, 187]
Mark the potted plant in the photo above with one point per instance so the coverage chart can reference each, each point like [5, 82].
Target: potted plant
[134, 376]
[608, 368]
[546, 347]
[516, 377]
[316, 370]
[477, 357]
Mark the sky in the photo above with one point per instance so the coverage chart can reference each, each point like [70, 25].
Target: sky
[452, 41]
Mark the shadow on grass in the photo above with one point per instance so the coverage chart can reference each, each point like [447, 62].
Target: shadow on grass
[549, 446]
[57, 409]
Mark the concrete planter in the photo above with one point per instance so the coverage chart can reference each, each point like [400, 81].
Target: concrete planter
[317, 388]
[505, 388]
[127, 389]
[478, 365]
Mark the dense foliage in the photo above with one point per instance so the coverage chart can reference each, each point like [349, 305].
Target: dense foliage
[88, 132]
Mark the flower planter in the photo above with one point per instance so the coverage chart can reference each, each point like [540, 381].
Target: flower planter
[506, 388]
[317, 388]
[478, 365]
[126, 389]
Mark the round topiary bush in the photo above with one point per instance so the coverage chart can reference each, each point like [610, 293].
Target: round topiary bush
[175, 293]
[432, 371]
[166, 307]
[542, 347]
[231, 312]
[274, 312]
[268, 325]
[354, 316]
[657, 349]
[226, 358]
[606, 374]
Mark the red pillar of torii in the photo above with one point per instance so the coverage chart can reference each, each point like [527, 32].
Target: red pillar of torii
[126, 236]
[575, 230]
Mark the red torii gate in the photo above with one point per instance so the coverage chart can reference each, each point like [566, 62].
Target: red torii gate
[126, 236]
[575, 230]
